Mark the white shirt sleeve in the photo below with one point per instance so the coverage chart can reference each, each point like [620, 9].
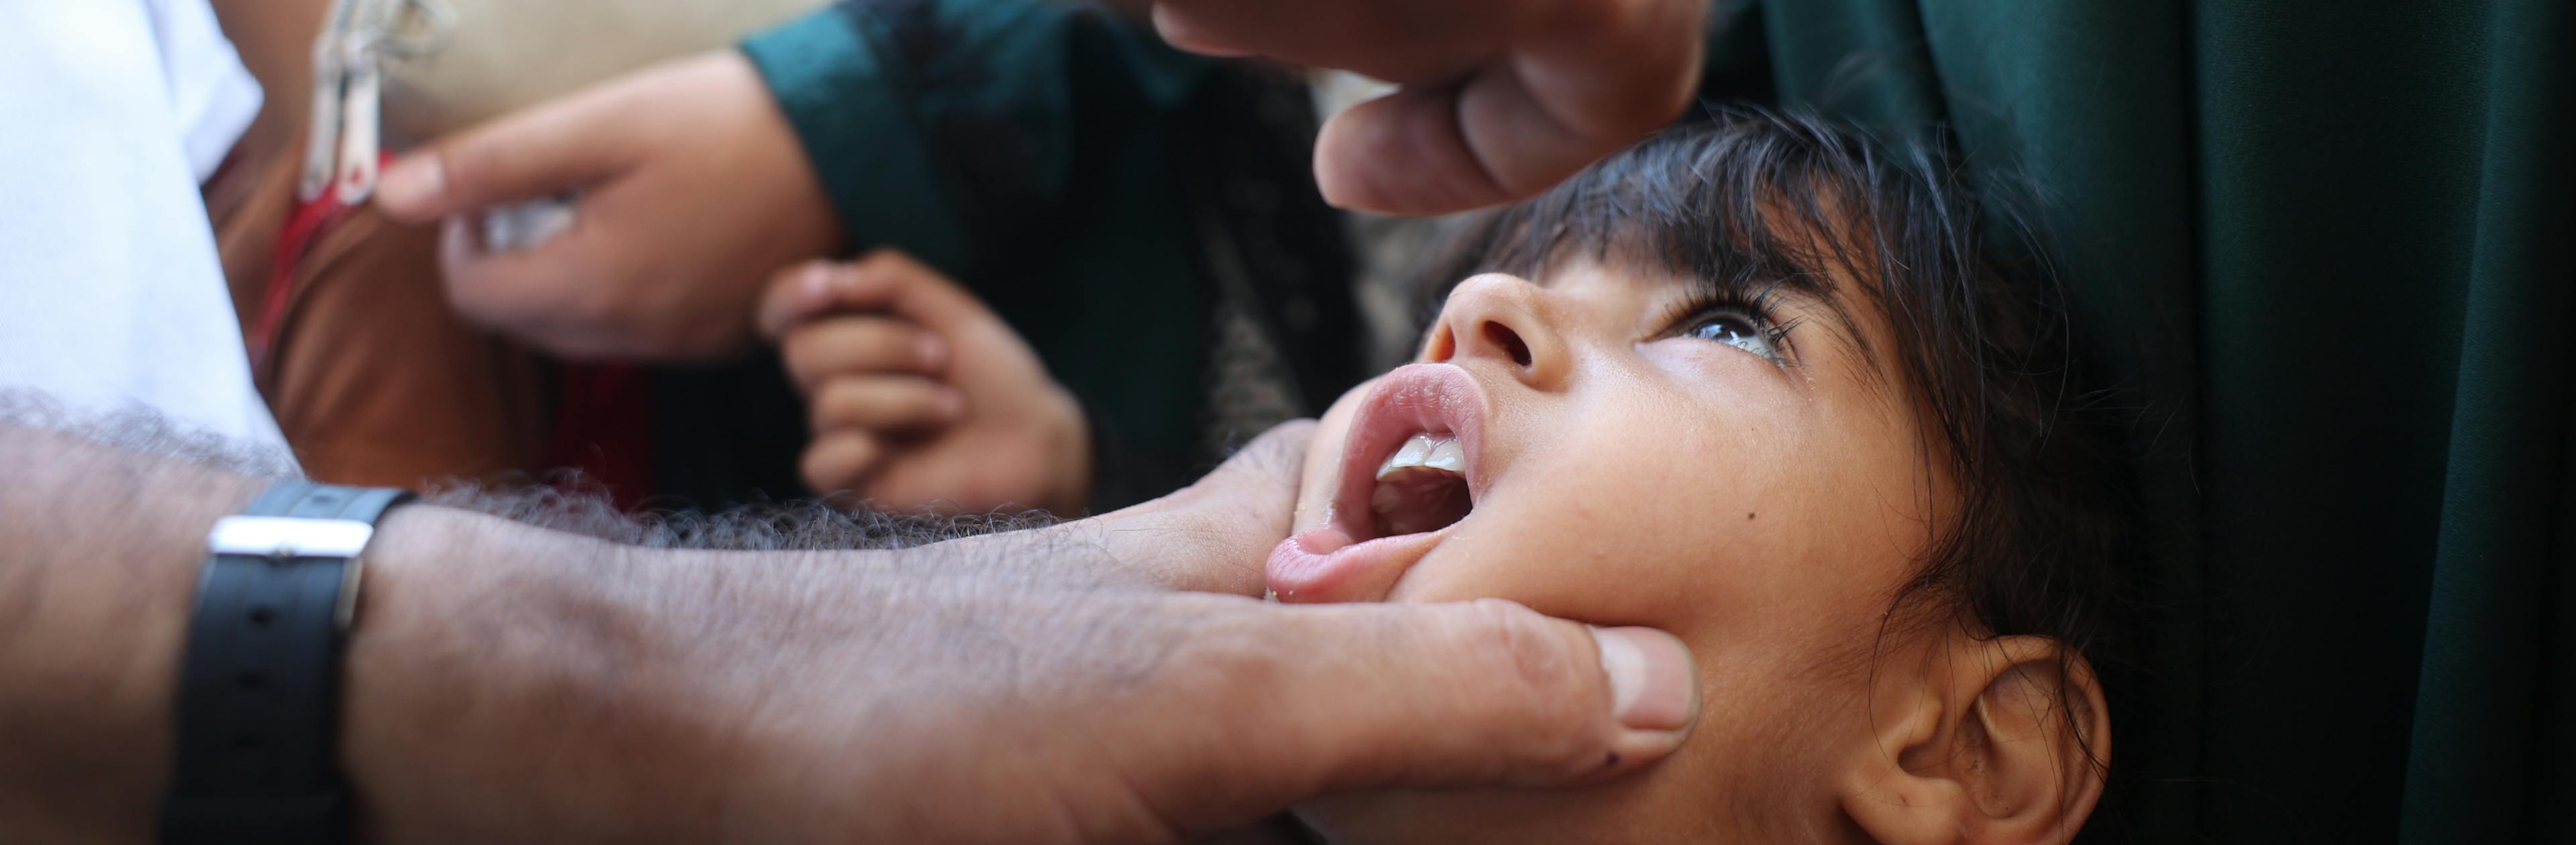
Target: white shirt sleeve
[111, 291]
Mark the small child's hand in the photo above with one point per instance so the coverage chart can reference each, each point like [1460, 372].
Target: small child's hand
[919, 395]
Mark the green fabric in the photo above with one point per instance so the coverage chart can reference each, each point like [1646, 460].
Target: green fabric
[841, 99]
[951, 129]
[2325, 245]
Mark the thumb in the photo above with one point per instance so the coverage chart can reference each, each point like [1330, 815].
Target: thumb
[1209, 537]
[549, 149]
[1485, 693]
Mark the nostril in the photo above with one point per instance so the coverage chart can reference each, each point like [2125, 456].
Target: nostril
[1509, 341]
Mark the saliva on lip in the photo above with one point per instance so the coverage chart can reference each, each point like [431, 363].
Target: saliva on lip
[1422, 487]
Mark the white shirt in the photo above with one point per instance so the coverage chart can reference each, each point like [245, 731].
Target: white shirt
[111, 114]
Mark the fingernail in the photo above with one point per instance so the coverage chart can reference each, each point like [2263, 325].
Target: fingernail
[412, 181]
[934, 352]
[1653, 685]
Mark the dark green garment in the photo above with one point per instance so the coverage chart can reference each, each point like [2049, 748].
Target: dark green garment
[2326, 245]
[1096, 187]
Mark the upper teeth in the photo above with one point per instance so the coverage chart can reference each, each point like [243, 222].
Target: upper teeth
[1440, 452]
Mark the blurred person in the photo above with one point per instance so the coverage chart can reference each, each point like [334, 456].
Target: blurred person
[1056, 159]
[373, 379]
[110, 290]
[134, 123]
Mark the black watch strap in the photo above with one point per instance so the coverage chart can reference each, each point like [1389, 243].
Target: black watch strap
[259, 685]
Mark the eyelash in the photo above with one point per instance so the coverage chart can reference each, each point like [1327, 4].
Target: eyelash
[1706, 301]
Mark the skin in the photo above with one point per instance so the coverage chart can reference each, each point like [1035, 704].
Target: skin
[1500, 98]
[694, 188]
[1763, 511]
[1103, 681]
[920, 396]
[693, 191]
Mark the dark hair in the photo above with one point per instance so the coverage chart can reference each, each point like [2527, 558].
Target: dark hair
[2045, 526]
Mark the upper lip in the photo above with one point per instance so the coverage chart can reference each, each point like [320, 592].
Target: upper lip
[1412, 399]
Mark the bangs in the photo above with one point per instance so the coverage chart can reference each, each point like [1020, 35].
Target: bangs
[1754, 202]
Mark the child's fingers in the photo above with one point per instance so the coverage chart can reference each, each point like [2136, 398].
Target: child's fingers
[918, 293]
[860, 344]
[884, 403]
[886, 280]
[839, 461]
[814, 287]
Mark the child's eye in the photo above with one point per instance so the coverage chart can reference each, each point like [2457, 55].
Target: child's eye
[1735, 331]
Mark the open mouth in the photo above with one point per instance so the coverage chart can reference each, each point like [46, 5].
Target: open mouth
[1410, 472]
[1422, 487]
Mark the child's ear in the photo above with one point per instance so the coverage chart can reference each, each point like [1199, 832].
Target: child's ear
[1995, 741]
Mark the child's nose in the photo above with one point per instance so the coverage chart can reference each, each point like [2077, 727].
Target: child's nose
[1502, 318]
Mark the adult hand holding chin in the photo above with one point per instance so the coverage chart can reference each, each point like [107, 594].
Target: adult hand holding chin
[1086, 683]
[692, 190]
[1141, 702]
[1501, 98]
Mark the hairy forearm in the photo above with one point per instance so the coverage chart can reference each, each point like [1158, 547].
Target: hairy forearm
[99, 551]
[507, 683]
[503, 681]
[511, 683]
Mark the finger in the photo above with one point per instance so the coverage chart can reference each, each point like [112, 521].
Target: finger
[1354, 697]
[884, 403]
[521, 293]
[804, 291]
[1401, 154]
[563, 300]
[548, 149]
[839, 462]
[883, 280]
[1182, 31]
[1511, 130]
[1212, 536]
[921, 294]
[1407, 41]
[860, 344]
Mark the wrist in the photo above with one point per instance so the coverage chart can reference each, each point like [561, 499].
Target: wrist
[510, 684]
[93, 614]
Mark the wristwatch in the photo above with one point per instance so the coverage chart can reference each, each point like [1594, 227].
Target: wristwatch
[259, 685]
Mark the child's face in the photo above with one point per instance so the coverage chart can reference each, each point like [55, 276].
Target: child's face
[1633, 463]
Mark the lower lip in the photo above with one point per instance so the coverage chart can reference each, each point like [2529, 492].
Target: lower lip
[1323, 565]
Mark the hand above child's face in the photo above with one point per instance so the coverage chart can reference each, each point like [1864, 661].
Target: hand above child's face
[920, 396]
[1634, 460]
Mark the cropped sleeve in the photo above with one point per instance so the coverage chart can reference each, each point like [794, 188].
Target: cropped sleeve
[947, 127]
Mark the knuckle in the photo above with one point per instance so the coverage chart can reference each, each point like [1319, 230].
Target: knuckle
[884, 345]
[1550, 705]
[465, 165]
[799, 355]
[839, 399]
[1518, 648]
